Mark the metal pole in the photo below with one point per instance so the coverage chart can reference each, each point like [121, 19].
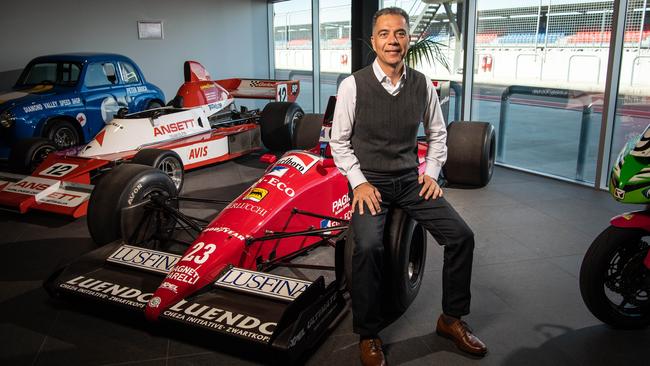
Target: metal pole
[611, 93]
[315, 53]
[468, 61]
[585, 126]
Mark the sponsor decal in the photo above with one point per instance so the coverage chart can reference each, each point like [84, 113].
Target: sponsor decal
[341, 204]
[68, 102]
[109, 291]
[325, 223]
[198, 152]
[154, 302]
[294, 89]
[173, 127]
[261, 83]
[225, 321]
[315, 321]
[34, 186]
[58, 170]
[133, 193]
[146, 259]
[619, 193]
[226, 230]
[256, 194]
[65, 198]
[81, 118]
[183, 274]
[169, 286]
[278, 171]
[302, 162]
[275, 182]
[249, 207]
[265, 284]
[136, 89]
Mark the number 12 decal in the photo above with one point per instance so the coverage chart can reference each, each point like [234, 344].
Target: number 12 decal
[58, 170]
[207, 250]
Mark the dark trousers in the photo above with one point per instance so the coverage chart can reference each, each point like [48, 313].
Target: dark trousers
[437, 217]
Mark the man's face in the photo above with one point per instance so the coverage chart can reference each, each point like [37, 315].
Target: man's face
[390, 39]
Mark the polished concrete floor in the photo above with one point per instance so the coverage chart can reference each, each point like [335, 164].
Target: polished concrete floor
[531, 234]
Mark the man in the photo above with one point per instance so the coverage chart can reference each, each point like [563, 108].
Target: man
[374, 144]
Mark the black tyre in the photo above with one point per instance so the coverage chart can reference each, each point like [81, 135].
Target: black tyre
[306, 132]
[126, 185]
[471, 152]
[277, 122]
[166, 160]
[153, 104]
[614, 283]
[405, 251]
[62, 133]
[27, 154]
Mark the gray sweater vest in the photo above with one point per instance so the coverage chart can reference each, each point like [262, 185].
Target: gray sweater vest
[384, 134]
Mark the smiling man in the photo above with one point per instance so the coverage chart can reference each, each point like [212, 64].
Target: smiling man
[374, 143]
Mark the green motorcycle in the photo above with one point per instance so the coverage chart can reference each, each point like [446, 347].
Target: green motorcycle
[615, 272]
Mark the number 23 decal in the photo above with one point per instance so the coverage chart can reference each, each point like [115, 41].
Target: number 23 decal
[193, 256]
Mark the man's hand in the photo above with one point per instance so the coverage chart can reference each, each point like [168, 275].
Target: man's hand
[430, 188]
[368, 194]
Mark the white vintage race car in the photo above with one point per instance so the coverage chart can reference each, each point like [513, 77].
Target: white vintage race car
[201, 126]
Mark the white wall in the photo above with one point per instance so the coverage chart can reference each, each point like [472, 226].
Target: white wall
[228, 37]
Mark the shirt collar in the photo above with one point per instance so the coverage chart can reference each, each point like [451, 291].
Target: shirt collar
[381, 75]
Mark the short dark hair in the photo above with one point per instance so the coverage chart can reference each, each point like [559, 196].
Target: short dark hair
[393, 10]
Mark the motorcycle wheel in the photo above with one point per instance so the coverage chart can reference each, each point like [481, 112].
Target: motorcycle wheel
[614, 282]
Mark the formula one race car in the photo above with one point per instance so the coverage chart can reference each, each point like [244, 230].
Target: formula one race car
[201, 127]
[219, 278]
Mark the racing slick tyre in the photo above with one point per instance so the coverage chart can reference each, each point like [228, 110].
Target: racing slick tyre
[307, 131]
[471, 152]
[27, 154]
[62, 133]
[166, 160]
[277, 123]
[405, 251]
[126, 185]
[614, 282]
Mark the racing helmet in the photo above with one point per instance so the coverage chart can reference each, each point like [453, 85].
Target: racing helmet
[630, 178]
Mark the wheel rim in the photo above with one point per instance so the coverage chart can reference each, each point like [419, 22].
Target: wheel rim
[416, 257]
[297, 116]
[173, 168]
[64, 137]
[627, 280]
[39, 156]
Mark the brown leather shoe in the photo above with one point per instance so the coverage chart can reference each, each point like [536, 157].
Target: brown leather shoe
[459, 332]
[371, 352]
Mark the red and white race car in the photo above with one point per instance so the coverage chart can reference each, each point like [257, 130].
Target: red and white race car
[201, 127]
[222, 280]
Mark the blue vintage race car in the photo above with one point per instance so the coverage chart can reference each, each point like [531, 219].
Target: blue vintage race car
[68, 98]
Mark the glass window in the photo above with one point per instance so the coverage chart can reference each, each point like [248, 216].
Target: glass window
[633, 102]
[100, 74]
[293, 47]
[335, 46]
[62, 73]
[129, 75]
[436, 28]
[539, 77]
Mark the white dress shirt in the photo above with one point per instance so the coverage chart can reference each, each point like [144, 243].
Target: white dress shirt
[346, 98]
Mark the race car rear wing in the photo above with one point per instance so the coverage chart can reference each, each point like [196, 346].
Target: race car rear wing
[278, 90]
[283, 322]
